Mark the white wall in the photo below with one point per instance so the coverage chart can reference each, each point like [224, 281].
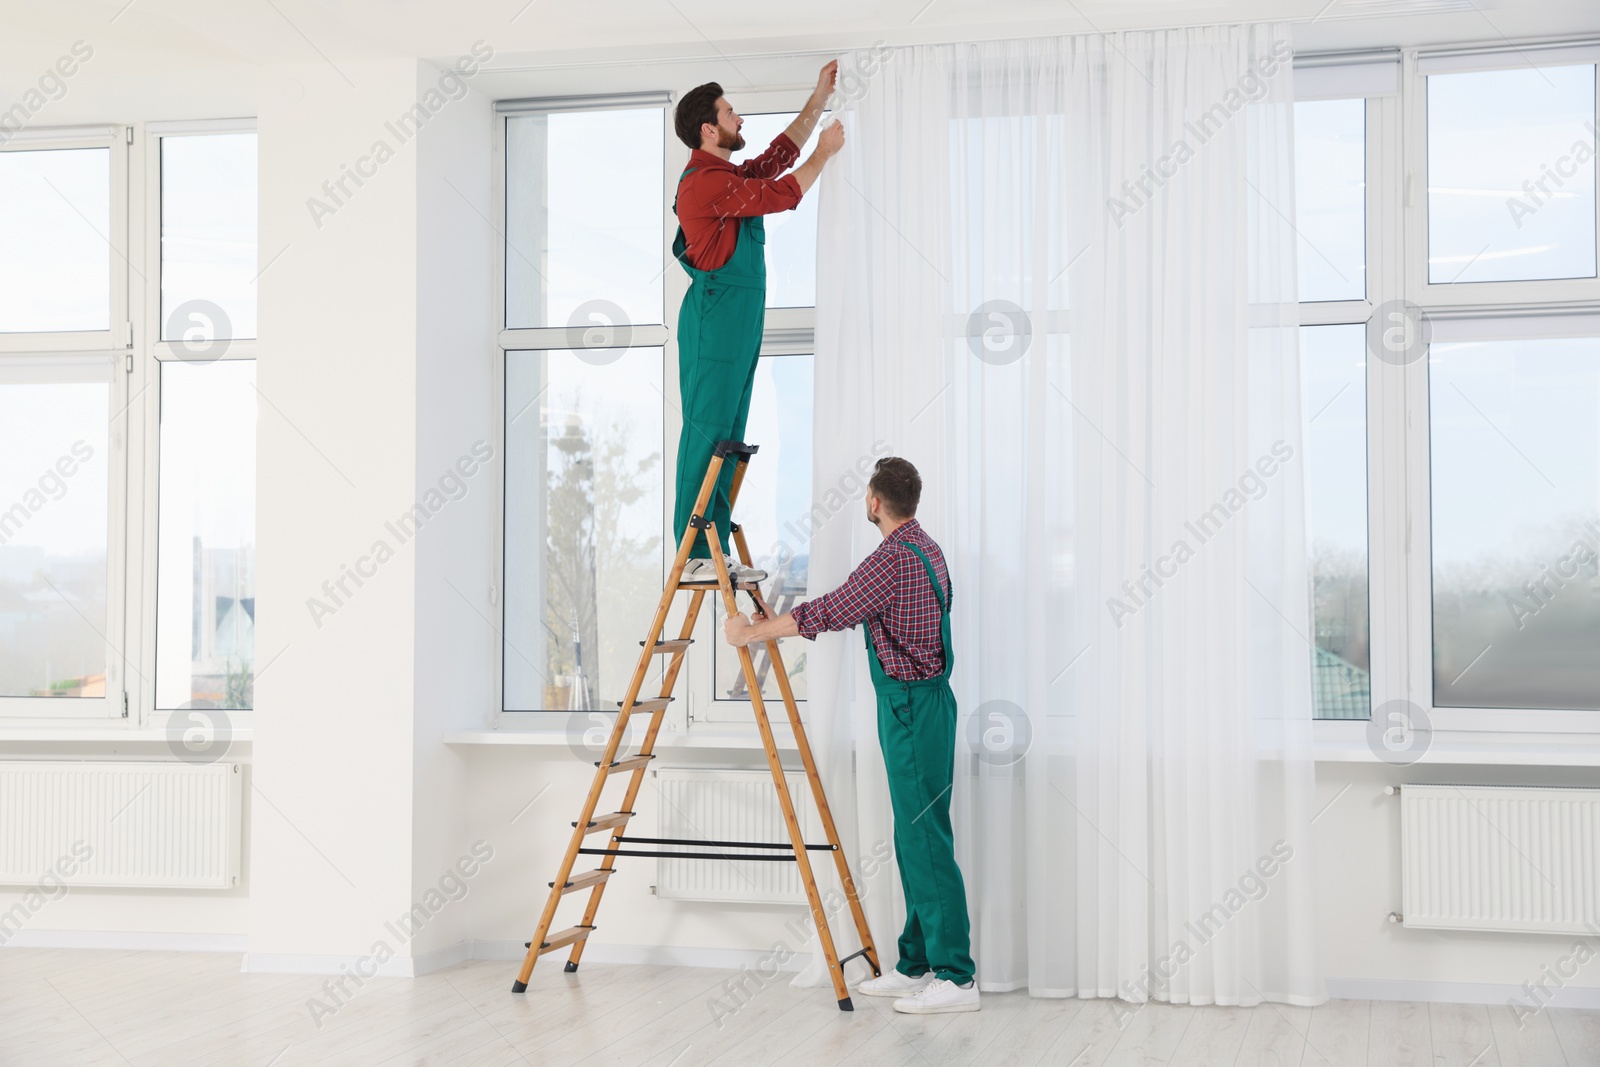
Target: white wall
[456, 619]
[336, 469]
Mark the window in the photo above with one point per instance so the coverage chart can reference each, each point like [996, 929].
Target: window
[584, 506]
[208, 237]
[584, 227]
[204, 604]
[1452, 400]
[1511, 174]
[1333, 362]
[205, 553]
[56, 252]
[54, 492]
[586, 397]
[1516, 522]
[1331, 193]
[1330, 198]
[63, 539]
[591, 409]
[774, 509]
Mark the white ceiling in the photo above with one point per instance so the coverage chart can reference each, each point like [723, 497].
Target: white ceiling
[160, 43]
[273, 31]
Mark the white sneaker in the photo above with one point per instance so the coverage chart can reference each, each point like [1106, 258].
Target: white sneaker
[894, 984]
[940, 995]
[704, 572]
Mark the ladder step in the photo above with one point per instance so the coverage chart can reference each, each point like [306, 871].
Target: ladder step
[565, 938]
[675, 645]
[701, 587]
[606, 822]
[584, 880]
[631, 763]
[651, 706]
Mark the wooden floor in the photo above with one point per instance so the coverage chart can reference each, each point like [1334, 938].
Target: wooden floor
[76, 1007]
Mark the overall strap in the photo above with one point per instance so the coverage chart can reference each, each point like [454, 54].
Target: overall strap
[686, 172]
[938, 592]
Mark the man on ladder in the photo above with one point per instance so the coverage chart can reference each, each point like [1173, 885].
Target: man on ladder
[720, 242]
[902, 593]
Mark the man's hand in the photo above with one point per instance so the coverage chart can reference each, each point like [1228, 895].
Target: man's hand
[738, 630]
[828, 144]
[831, 139]
[827, 78]
[799, 130]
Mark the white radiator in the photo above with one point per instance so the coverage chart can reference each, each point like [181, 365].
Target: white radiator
[731, 806]
[166, 825]
[1512, 858]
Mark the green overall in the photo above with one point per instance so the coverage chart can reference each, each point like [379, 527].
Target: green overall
[917, 729]
[719, 338]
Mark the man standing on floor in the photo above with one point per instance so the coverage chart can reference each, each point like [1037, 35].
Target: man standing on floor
[902, 593]
[720, 242]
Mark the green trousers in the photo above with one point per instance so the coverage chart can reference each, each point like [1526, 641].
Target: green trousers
[917, 728]
[719, 340]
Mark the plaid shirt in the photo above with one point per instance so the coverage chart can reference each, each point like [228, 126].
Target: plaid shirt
[890, 592]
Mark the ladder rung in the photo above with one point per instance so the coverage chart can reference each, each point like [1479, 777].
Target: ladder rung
[701, 587]
[585, 880]
[630, 763]
[565, 938]
[651, 706]
[606, 822]
[674, 645]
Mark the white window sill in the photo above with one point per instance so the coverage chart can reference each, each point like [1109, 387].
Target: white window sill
[100, 734]
[1346, 742]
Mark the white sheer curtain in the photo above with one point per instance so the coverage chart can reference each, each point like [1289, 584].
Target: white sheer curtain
[1058, 275]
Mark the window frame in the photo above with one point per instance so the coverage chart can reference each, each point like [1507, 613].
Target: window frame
[89, 355]
[1418, 66]
[148, 355]
[1399, 486]
[788, 331]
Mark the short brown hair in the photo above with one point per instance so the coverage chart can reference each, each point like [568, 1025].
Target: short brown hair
[896, 482]
[698, 107]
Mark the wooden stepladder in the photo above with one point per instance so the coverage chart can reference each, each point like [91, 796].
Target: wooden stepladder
[614, 762]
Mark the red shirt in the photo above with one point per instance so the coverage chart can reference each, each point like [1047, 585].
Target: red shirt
[891, 593]
[719, 190]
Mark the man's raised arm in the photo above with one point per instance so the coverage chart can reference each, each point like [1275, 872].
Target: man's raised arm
[799, 130]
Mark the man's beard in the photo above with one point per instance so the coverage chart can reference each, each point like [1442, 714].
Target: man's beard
[731, 141]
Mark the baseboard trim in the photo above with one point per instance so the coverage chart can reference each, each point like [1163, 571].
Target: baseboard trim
[727, 959]
[127, 940]
[1458, 993]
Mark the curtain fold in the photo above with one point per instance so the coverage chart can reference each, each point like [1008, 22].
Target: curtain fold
[1057, 274]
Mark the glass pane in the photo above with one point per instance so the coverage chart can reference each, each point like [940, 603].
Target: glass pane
[206, 536]
[1511, 174]
[208, 236]
[1335, 404]
[584, 514]
[55, 255]
[584, 215]
[774, 509]
[1330, 179]
[53, 494]
[1516, 523]
[791, 235]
